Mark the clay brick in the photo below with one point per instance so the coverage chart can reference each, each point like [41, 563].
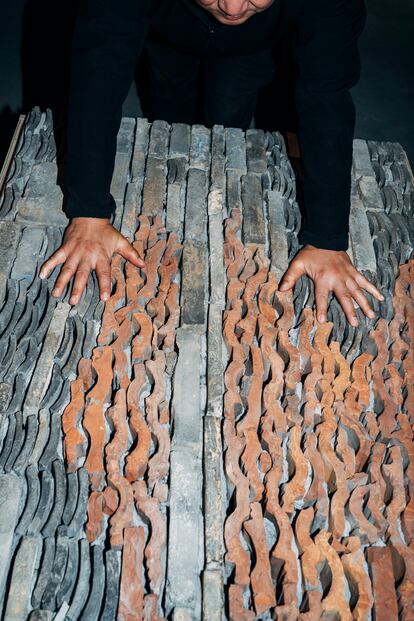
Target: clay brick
[94, 418]
[260, 577]
[385, 599]
[336, 600]
[131, 595]
[96, 520]
[236, 553]
[293, 491]
[75, 440]
[311, 559]
[356, 572]
[334, 474]
[249, 427]
[237, 609]
[141, 343]
[156, 545]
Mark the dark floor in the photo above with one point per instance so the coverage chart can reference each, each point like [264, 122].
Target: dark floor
[33, 67]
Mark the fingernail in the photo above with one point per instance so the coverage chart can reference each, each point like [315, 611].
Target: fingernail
[105, 295]
[354, 321]
[371, 314]
[382, 297]
[321, 318]
[41, 275]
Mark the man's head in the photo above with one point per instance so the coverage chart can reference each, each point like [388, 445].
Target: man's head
[234, 12]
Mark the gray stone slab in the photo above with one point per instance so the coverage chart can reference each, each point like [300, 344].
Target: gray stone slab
[43, 371]
[361, 159]
[218, 158]
[370, 193]
[235, 150]
[41, 199]
[183, 614]
[139, 154]
[215, 385]
[41, 211]
[122, 164]
[9, 240]
[194, 283]
[180, 140]
[154, 187]
[200, 147]
[174, 209]
[278, 241]
[213, 595]
[217, 279]
[159, 139]
[361, 240]
[256, 151]
[196, 210]
[185, 535]
[233, 192]
[10, 492]
[131, 211]
[28, 253]
[214, 491]
[186, 402]
[20, 589]
[254, 235]
[5, 396]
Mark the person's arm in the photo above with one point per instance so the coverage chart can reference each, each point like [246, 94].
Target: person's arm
[328, 65]
[106, 44]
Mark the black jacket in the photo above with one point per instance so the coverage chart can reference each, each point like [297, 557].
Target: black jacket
[106, 45]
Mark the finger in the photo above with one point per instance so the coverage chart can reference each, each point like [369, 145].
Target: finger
[364, 282]
[126, 250]
[292, 274]
[56, 258]
[66, 273]
[361, 299]
[79, 283]
[345, 300]
[103, 273]
[321, 296]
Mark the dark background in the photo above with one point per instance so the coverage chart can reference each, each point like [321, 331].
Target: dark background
[35, 38]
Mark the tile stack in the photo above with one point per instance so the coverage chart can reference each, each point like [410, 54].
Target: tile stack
[199, 446]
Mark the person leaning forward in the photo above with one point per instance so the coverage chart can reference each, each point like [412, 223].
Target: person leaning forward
[206, 60]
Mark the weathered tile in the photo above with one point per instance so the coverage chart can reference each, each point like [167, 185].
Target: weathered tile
[253, 217]
[196, 209]
[10, 491]
[194, 283]
[24, 567]
[40, 379]
[200, 147]
[278, 241]
[235, 151]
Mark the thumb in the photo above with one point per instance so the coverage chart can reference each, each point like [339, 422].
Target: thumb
[126, 250]
[291, 276]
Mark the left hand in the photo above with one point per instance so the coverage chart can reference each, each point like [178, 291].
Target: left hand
[331, 270]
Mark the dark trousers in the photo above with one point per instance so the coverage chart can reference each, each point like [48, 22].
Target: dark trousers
[180, 87]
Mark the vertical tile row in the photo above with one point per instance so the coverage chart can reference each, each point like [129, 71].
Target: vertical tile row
[185, 535]
[214, 496]
[42, 341]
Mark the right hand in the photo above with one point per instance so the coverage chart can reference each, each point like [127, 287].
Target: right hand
[88, 244]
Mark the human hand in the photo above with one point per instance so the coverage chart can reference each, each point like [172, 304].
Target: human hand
[331, 270]
[88, 244]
